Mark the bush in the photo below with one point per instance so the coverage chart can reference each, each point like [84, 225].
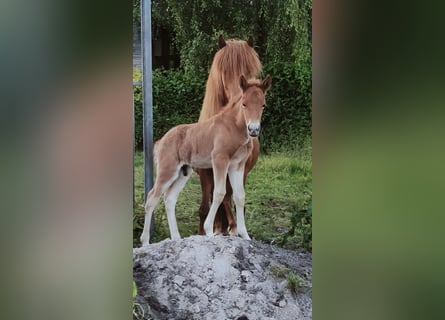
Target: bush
[287, 119]
[177, 99]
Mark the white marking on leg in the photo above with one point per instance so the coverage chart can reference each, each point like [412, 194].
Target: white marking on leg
[150, 205]
[218, 196]
[236, 180]
[219, 191]
[170, 198]
[152, 200]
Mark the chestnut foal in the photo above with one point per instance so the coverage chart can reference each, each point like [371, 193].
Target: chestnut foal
[223, 143]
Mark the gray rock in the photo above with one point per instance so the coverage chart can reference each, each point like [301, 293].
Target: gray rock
[245, 276]
[178, 280]
[220, 278]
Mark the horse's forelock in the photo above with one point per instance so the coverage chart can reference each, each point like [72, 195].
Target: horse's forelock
[236, 58]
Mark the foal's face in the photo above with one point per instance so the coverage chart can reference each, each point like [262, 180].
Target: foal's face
[253, 105]
[254, 102]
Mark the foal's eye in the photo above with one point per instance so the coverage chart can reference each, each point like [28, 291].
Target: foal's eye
[264, 106]
[244, 106]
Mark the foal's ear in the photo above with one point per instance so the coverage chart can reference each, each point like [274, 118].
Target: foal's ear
[250, 41]
[265, 85]
[221, 41]
[243, 83]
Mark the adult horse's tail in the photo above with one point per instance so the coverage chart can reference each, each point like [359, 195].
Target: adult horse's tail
[233, 59]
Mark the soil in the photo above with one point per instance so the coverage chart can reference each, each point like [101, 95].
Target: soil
[221, 278]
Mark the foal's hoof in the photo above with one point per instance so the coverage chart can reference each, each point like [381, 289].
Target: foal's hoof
[208, 231]
[246, 237]
[145, 244]
[145, 241]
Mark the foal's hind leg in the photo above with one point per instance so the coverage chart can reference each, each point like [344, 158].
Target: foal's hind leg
[164, 180]
[170, 198]
[152, 200]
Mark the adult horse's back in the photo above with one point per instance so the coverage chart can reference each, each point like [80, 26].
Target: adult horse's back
[233, 59]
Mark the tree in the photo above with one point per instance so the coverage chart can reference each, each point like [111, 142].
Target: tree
[282, 32]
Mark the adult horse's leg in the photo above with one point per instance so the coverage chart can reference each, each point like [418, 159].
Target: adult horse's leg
[220, 223]
[236, 179]
[206, 180]
[227, 214]
[224, 210]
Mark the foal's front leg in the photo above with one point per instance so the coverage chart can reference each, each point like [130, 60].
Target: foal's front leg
[220, 166]
[236, 176]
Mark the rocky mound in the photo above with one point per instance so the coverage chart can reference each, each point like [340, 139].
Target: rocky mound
[221, 278]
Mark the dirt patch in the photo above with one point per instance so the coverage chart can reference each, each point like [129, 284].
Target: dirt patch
[222, 278]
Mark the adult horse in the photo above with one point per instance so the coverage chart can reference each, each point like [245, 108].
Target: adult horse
[233, 59]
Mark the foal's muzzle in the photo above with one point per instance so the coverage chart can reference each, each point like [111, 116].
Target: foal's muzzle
[253, 129]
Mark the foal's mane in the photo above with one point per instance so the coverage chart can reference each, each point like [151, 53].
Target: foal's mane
[236, 58]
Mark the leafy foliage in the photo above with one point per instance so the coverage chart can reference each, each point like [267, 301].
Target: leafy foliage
[177, 99]
[287, 119]
[282, 31]
[195, 36]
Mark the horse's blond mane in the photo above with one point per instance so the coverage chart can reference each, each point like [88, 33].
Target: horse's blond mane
[236, 58]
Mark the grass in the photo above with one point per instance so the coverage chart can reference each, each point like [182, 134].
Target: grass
[294, 282]
[279, 271]
[138, 311]
[279, 185]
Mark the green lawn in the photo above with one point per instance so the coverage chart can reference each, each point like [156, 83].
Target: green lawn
[280, 184]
